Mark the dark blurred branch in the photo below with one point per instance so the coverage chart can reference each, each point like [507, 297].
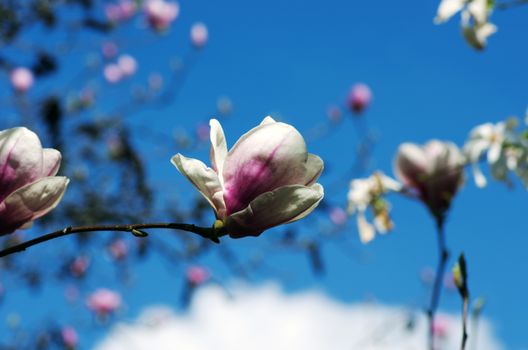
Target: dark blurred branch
[510, 4]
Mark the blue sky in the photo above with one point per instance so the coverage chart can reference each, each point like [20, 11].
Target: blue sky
[293, 59]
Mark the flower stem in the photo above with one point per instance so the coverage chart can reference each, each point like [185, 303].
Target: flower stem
[465, 308]
[437, 287]
[136, 229]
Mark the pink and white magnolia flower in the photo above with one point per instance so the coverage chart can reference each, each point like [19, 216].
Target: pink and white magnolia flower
[21, 79]
[266, 179]
[199, 35]
[435, 171]
[29, 188]
[359, 97]
[160, 13]
[104, 301]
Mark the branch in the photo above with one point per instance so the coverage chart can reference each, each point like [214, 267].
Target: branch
[210, 233]
[510, 4]
[437, 287]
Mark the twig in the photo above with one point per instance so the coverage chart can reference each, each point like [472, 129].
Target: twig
[510, 4]
[135, 229]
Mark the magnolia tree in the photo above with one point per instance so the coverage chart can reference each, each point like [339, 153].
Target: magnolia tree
[94, 178]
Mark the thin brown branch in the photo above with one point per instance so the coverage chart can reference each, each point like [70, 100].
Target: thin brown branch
[135, 229]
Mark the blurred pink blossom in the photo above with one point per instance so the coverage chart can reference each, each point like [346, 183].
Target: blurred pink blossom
[79, 266]
[427, 275]
[160, 13]
[127, 64]
[109, 49]
[112, 73]
[359, 97]
[70, 338]
[21, 79]
[202, 131]
[120, 11]
[71, 293]
[334, 114]
[103, 301]
[118, 249]
[440, 327]
[155, 81]
[197, 275]
[199, 35]
[338, 216]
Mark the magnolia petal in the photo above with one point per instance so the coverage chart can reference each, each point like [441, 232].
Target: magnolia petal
[282, 205]
[476, 34]
[366, 229]
[218, 152]
[480, 179]
[410, 163]
[20, 159]
[51, 159]
[314, 168]
[269, 156]
[479, 10]
[267, 120]
[203, 178]
[494, 152]
[30, 202]
[475, 148]
[447, 9]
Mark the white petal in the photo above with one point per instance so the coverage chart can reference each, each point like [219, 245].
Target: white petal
[366, 229]
[479, 10]
[447, 9]
[218, 147]
[267, 120]
[204, 179]
[51, 159]
[283, 205]
[31, 201]
[480, 179]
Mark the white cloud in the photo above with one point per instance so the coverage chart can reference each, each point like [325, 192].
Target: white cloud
[266, 318]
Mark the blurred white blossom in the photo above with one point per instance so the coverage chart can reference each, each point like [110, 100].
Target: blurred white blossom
[368, 192]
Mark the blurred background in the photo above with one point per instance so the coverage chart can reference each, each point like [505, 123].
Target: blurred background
[119, 89]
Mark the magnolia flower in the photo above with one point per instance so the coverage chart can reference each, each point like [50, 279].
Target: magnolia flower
[359, 98]
[435, 171]
[487, 138]
[103, 302]
[160, 13]
[368, 192]
[199, 35]
[29, 188]
[266, 179]
[478, 9]
[21, 79]
[475, 25]
[476, 33]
